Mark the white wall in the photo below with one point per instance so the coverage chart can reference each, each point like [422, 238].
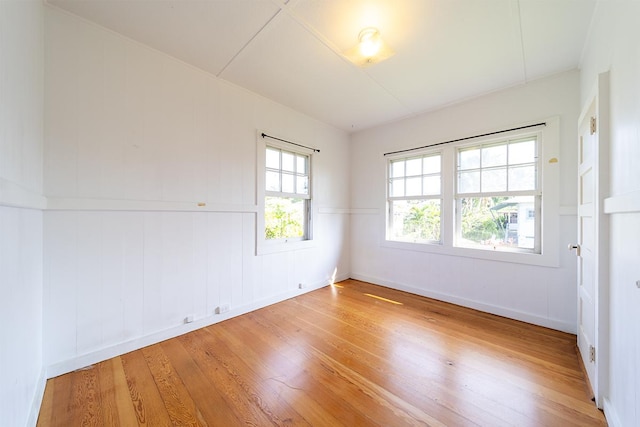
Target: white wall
[541, 295]
[134, 141]
[21, 94]
[614, 45]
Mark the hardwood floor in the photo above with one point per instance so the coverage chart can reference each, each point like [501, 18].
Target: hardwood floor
[353, 354]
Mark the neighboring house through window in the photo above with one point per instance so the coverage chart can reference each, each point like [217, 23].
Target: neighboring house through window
[480, 197]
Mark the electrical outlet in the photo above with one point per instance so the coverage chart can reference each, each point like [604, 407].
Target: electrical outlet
[222, 309]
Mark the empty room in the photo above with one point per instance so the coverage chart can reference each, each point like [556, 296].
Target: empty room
[319, 212]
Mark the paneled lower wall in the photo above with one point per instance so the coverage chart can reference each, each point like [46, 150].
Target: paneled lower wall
[21, 371]
[119, 280]
[150, 178]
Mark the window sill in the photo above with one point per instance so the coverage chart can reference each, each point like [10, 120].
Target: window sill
[543, 260]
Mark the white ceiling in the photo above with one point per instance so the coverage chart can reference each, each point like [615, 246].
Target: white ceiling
[290, 51]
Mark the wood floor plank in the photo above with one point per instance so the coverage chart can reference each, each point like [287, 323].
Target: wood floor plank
[314, 377]
[505, 349]
[46, 409]
[344, 380]
[86, 404]
[145, 395]
[210, 403]
[307, 410]
[180, 407]
[249, 403]
[117, 408]
[287, 379]
[418, 381]
[353, 354]
[62, 411]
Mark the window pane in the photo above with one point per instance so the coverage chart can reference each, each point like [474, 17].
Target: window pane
[397, 169]
[469, 159]
[469, 182]
[522, 178]
[413, 167]
[494, 156]
[431, 185]
[301, 165]
[273, 158]
[522, 152]
[414, 187]
[397, 188]
[287, 161]
[302, 185]
[497, 222]
[494, 180]
[287, 183]
[284, 217]
[415, 220]
[272, 181]
[431, 164]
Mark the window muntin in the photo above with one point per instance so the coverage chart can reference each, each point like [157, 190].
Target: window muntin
[498, 198]
[414, 198]
[287, 173]
[503, 167]
[287, 195]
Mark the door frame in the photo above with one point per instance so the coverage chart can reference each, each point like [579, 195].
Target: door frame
[600, 95]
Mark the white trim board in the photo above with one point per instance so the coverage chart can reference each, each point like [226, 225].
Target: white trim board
[38, 396]
[72, 204]
[624, 203]
[558, 325]
[610, 414]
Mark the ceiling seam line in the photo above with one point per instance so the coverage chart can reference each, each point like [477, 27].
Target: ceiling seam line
[524, 62]
[242, 49]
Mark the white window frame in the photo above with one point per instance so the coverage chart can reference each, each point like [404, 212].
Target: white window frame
[391, 198]
[536, 192]
[264, 245]
[548, 175]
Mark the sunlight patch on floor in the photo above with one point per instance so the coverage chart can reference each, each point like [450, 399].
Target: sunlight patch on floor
[384, 299]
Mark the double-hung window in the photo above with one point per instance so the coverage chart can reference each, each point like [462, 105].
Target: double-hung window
[491, 197]
[287, 195]
[415, 198]
[498, 196]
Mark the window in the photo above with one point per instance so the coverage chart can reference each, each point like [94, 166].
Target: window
[491, 197]
[414, 199]
[287, 195]
[497, 196]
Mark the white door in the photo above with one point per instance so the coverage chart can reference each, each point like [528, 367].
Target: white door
[592, 246]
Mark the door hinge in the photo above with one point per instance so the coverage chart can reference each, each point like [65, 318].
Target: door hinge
[592, 125]
[592, 354]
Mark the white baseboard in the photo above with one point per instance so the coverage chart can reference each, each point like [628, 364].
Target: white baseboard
[465, 302]
[36, 402]
[100, 355]
[611, 415]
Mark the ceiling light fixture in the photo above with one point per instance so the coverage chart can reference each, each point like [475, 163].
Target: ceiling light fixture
[370, 49]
